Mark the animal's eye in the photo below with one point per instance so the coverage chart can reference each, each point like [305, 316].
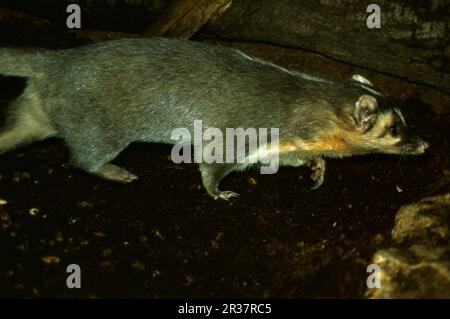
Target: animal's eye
[393, 130]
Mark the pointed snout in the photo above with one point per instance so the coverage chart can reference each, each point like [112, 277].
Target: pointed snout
[414, 145]
[417, 145]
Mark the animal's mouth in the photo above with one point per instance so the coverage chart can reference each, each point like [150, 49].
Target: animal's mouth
[415, 148]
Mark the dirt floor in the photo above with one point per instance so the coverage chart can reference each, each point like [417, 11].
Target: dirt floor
[162, 236]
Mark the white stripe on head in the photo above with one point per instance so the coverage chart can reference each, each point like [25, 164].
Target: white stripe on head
[400, 115]
[359, 78]
[371, 90]
[305, 76]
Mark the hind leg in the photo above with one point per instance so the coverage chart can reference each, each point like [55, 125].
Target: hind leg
[115, 173]
[95, 159]
[27, 123]
[212, 174]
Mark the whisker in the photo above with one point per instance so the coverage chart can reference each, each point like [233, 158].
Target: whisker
[433, 153]
[400, 161]
[400, 158]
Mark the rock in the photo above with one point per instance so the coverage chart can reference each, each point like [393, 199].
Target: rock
[419, 267]
[426, 221]
[404, 274]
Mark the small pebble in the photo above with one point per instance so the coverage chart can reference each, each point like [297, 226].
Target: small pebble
[51, 259]
[33, 211]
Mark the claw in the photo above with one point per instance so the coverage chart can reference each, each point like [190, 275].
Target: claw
[226, 195]
[316, 185]
[318, 172]
[116, 173]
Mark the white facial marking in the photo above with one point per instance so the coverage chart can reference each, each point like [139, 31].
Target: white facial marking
[359, 78]
[400, 115]
[371, 90]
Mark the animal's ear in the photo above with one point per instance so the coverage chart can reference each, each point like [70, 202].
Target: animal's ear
[365, 111]
[361, 79]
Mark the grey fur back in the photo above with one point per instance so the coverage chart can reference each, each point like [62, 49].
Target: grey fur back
[141, 89]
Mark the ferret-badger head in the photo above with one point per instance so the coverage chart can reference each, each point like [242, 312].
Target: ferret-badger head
[366, 123]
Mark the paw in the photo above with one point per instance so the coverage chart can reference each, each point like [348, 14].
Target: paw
[117, 174]
[318, 172]
[318, 180]
[225, 195]
[126, 177]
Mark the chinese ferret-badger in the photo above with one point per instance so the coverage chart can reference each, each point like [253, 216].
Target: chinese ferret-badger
[101, 97]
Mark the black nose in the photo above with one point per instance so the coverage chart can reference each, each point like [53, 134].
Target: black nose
[419, 144]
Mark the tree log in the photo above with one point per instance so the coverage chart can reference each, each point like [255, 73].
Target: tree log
[184, 18]
[412, 43]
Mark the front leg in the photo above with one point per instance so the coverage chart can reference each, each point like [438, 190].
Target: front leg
[212, 174]
[317, 164]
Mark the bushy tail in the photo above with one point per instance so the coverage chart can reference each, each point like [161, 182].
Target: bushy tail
[22, 62]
